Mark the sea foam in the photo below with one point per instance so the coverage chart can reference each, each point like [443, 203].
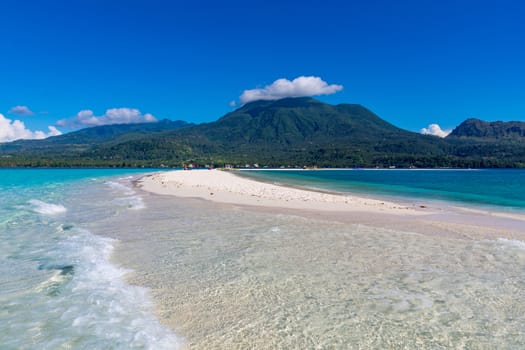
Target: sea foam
[47, 208]
[95, 307]
[108, 294]
[59, 287]
[120, 187]
[512, 242]
[131, 199]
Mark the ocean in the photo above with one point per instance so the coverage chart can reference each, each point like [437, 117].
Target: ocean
[58, 286]
[500, 189]
[88, 261]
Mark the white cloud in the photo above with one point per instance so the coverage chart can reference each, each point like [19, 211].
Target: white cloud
[299, 87]
[15, 130]
[21, 110]
[435, 129]
[86, 118]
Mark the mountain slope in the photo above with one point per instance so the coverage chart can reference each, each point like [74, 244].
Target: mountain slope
[85, 138]
[297, 122]
[300, 131]
[479, 129]
[289, 132]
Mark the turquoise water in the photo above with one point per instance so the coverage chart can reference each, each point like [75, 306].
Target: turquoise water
[502, 188]
[228, 277]
[58, 286]
[87, 261]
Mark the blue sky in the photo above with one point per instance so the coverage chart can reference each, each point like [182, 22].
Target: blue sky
[412, 62]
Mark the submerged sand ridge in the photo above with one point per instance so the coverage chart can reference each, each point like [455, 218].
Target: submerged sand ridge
[280, 267]
[263, 266]
[226, 187]
[431, 218]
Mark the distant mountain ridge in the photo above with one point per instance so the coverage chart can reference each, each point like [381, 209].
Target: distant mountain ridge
[86, 138]
[476, 128]
[291, 132]
[302, 130]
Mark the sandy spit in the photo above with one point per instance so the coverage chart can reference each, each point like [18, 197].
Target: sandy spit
[226, 187]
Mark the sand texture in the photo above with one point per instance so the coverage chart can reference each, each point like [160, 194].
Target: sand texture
[262, 266]
[226, 187]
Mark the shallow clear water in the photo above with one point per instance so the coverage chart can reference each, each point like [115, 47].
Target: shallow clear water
[232, 278]
[75, 247]
[58, 287]
[501, 188]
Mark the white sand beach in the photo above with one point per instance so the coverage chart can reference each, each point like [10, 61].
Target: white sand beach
[234, 263]
[227, 187]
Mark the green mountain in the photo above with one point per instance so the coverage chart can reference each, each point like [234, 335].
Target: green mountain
[479, 129]
[304, 131]
[500, 144]
[289, 132]
[86, 138]
[75, 148]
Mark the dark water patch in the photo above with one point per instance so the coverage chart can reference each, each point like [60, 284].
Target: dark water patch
[64, 269]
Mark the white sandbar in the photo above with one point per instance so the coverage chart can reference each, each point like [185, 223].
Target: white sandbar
[226, 187]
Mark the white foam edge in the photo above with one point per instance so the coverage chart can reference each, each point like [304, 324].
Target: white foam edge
[515, 243]
[120, 187]
[45, 208]
[99, 278]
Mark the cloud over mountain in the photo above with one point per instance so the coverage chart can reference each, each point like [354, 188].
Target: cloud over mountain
[21, 110]
[87, 118]
[299, 87]
[11, 130]
[435, 130]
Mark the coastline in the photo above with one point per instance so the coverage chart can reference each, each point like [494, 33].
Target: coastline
[427, 217]
[229, 188]
[232, 268]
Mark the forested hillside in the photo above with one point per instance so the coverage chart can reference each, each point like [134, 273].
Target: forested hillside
[289, 132]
